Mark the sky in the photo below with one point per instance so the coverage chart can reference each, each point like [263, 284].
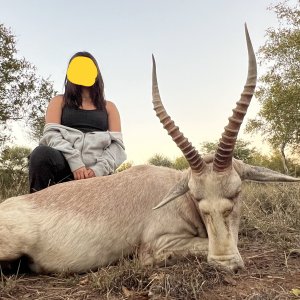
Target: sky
[199, 47]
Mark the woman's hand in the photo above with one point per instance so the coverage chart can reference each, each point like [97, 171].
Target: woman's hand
[91, 173]
[81, 173]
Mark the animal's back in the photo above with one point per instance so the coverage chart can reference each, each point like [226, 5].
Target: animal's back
[109, 194]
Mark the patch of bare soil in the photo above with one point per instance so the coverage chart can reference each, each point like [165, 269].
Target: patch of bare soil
[269, 274]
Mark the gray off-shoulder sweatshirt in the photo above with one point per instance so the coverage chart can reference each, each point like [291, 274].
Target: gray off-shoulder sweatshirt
[101, 151]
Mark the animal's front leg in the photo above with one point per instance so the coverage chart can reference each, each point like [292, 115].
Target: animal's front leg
[167, 250]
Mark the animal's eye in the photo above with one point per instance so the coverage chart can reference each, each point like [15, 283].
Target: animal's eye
[227, 212]
[198, 199]
[205, 213]
[234, 196]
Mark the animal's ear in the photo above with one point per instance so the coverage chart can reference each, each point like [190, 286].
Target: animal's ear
[248, 172]
[177, 190]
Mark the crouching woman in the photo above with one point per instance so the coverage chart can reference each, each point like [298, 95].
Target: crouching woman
[82, 137]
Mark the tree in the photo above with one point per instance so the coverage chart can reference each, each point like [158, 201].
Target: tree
[23, 95]
[273, 161]
[13, 171]
[160, 160]
[279, 91]
[125, 166]
[242, 150]
[14, 158]
[180, 163]
[250, 155]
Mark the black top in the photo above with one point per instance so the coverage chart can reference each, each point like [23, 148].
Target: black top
[85, 120]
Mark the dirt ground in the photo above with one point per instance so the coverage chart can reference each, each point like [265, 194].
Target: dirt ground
[269, 274]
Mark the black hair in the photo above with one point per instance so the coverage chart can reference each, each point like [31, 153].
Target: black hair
[72, 95]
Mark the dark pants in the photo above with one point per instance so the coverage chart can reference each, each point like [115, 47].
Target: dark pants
[47, 166]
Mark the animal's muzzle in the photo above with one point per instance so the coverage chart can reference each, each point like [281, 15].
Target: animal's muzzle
[232, 263]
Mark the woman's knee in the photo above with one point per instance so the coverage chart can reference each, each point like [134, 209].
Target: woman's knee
[41, 156]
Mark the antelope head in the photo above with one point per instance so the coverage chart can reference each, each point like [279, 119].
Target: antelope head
[215, 180]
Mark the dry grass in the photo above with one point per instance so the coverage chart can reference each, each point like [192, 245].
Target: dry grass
[271, 213]
[20, 186]
[181, 281]
[269, 244]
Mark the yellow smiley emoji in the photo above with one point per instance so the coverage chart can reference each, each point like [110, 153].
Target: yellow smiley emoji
[82, 71]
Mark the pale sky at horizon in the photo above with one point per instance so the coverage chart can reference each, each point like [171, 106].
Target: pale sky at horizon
[200, 51]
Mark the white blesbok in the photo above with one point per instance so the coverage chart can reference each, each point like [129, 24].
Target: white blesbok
[83, 225]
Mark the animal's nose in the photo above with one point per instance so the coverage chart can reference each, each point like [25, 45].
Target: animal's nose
[236, 268]
[232, 263]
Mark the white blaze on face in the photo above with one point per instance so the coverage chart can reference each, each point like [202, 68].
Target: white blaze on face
[217, 195]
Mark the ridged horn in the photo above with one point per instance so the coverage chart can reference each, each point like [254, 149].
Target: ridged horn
[224, 153]
[194, 159]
